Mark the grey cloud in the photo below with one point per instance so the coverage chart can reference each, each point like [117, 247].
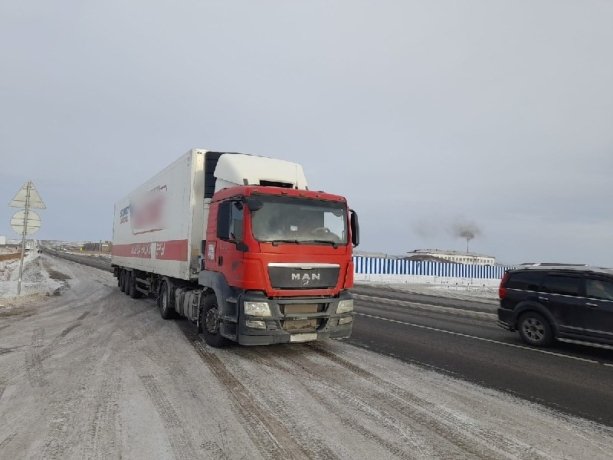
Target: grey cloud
[416, 111]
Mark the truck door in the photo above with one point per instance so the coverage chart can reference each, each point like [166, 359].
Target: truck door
[230, 227]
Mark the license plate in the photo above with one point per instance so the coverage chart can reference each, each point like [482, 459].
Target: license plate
[294, 324]
[303, 337]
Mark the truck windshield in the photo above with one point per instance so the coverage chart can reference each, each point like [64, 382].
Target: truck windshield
[300, 220]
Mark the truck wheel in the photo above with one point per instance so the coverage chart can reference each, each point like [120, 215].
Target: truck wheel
[166, 301]
[127, 279]
[132, 286]
[535, 330]
[210, 322]
[122, 281]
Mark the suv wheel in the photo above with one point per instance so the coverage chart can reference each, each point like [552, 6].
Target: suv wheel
[535, 330]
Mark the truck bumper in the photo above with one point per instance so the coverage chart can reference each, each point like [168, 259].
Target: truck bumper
[342, 332]
[285, 313]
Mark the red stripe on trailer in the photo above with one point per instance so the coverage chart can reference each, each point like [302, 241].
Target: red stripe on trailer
[139, 250]
[171, 250]
[164, 250]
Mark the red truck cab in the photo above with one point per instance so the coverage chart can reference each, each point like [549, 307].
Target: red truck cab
[283, 259]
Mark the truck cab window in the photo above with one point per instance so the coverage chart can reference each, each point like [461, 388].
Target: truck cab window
[230, 221]
[300, 221]
[236, 221]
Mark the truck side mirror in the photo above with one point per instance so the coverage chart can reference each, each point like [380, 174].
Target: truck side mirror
[355, 228]
[253, 204]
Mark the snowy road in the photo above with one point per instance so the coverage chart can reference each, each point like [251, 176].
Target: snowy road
[95, 374]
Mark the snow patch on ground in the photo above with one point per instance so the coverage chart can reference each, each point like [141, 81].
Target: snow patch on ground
[39, 278]
[452, 291]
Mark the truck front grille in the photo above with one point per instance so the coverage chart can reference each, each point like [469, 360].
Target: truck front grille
[303, 276]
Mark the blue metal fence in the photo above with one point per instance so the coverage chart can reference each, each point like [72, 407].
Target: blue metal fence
[384, 266]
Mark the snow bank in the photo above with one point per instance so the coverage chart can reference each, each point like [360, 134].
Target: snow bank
[36, 278]
[459, 291]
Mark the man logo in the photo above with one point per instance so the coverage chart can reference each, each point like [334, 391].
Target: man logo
[306, 278]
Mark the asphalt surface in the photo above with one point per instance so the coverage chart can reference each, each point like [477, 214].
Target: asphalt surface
[463, 340]
[460, 337]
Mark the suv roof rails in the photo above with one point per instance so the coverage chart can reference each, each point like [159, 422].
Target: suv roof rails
[552, 264]
[569, 267]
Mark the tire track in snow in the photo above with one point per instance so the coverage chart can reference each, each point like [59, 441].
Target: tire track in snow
[302, 429]
[400, 417]
[60, 340]
[269, 434]
[66, 407]
[33, 359]
[260, 357]
[458, 431]
[104, 426]
[5, 351]
[83, 316]
[180, 444]
[6, 441]
[322, 392]
[414, 419]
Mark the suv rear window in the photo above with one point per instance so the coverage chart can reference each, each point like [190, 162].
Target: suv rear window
[526, 281]
[561, 284]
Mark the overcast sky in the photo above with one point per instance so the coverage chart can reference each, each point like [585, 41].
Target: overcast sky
[425, 114]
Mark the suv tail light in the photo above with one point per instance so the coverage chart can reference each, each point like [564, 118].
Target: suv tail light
[502, 290]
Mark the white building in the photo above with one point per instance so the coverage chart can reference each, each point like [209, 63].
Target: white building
[467, 258]
[380, 255]
[2, 240]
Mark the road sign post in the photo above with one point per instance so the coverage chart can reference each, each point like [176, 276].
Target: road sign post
[26, 222]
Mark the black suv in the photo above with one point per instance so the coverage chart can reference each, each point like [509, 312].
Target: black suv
[544, 303]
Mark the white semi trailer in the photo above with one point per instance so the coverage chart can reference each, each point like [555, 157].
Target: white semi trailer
[240, 246]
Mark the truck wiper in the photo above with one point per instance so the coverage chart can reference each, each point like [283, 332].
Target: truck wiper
[333, 243]
[276, 242]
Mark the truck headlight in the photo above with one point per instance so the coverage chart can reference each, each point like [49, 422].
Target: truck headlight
[344, 306]
[257, 308]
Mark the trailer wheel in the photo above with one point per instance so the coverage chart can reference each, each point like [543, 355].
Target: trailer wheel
[166, 301]
[122, 281]
[127, 278]
[210, 321]
[132, 286]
